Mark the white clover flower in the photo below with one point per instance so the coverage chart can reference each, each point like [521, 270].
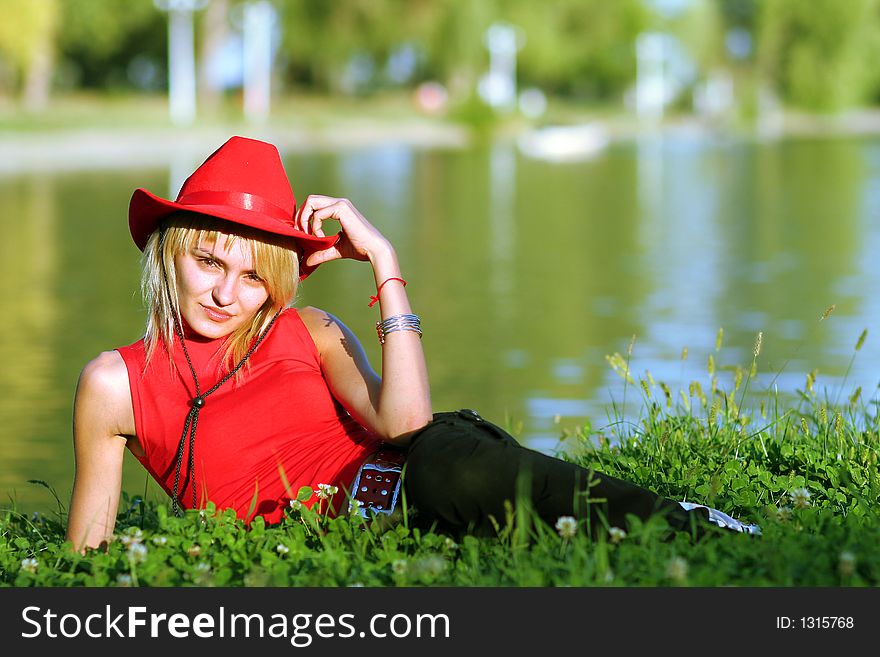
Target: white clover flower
[436, 565]
[159, 540]
[123, 579]
[326, 491]
[847, 564]
[431, 565]
[616, 534]
[296, 505]
[800, 498]
[282, 549]
[566, 526]
[399, 567]
[132, 538]
[137, 552]
[194, 550]
[677, 569]
[783, 513]
[30, 565]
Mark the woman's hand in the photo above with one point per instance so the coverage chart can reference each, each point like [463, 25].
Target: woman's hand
[359, 240]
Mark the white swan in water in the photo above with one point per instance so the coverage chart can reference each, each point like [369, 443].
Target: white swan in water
[564, 143]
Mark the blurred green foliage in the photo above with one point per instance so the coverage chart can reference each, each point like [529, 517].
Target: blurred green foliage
[31, 22]
[568, 46]
[580, 47]
[821, 53]
[99, 38]
[816, 55]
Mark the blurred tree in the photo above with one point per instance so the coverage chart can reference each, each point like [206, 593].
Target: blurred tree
[817, 54]
[700, 28]
[99, 40]
[571, 46]
[27, 34]
[580, 47]
[820, 54]
[740, 13]
[451, 34]
[322, 41]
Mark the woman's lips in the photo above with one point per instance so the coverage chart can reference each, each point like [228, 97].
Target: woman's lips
[216, 315]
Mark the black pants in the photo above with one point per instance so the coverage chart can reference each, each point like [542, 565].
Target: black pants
[460, 470]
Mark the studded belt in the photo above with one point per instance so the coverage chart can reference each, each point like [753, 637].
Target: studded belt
[377, 485]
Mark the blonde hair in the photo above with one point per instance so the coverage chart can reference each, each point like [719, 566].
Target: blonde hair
[276, 262]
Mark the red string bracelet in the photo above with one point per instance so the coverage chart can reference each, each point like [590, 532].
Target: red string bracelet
[374, 299]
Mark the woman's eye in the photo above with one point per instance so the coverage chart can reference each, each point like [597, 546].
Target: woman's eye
[208, 262]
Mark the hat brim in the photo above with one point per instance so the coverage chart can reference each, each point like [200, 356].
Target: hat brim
[146, 210]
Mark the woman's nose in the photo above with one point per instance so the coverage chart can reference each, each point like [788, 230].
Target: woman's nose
[225, 290]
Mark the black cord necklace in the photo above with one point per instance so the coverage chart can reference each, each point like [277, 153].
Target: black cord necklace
[197, 403]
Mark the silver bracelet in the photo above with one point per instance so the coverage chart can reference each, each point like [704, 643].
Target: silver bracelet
[398, 323]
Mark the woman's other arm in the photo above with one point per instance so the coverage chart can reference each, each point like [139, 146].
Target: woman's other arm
[399, 402]
[102, 417]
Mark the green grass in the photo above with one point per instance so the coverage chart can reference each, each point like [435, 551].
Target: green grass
[830, 540]
[804, 468]
[131, 111]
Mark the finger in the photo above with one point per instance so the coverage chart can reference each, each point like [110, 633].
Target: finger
[316, 224]
[318, 216]
[321, 208]
[304, 216]
[336, 210]
[304, 212]
[325, 255]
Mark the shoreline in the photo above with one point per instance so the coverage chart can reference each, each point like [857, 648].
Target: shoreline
[82, 148]
[95, 148]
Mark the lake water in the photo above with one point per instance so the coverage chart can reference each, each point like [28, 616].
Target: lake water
[526, 275]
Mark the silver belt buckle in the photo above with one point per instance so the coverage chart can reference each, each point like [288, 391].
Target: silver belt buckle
[376, 488]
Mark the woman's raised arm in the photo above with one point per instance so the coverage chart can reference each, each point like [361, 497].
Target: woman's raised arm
[102, 418]
[399, 402]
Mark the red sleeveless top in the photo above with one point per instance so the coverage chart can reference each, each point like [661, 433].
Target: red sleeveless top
[279, 423]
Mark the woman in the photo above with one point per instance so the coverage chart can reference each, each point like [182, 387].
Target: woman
[235, 397]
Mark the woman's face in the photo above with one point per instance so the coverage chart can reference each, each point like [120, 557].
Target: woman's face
[217, 286]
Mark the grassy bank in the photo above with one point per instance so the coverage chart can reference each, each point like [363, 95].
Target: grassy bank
[126, 110]
[85, 132]
[808, 474]
[302, 110]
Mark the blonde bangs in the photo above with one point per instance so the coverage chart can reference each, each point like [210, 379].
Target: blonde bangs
[276, 262]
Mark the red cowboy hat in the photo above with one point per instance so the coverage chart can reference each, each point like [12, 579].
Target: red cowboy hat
[244, 182]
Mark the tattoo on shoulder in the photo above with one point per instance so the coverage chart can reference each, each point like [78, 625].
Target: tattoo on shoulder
[344, 341]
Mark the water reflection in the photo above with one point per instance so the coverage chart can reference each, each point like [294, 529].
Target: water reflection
[69, 278]
[502, 227]
[28, 271]
[526, 275]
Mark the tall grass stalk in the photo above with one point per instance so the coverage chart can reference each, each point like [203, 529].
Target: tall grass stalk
[756, 351]
[858, 347]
